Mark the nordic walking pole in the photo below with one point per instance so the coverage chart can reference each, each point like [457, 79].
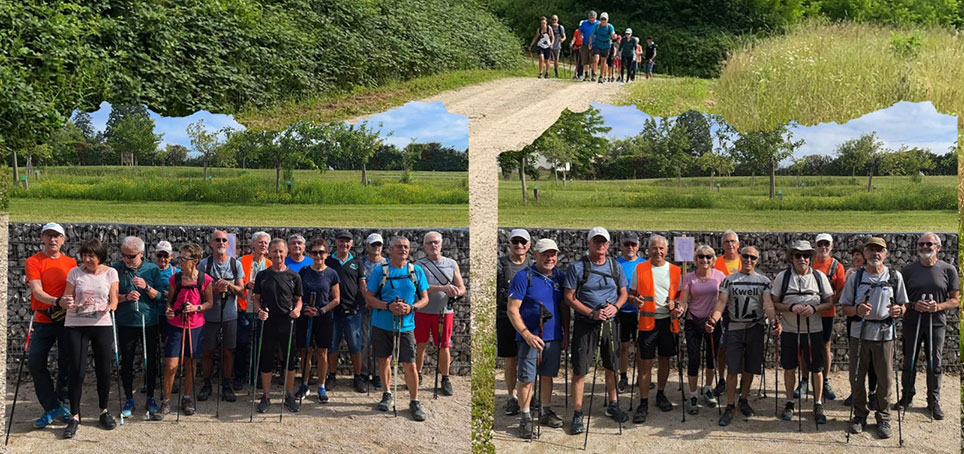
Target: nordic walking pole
[679, 357]
[147, 415]
[632, 390]
[800, 375]
[23, 358]
[592, 391]
[776, 375]
[284, 389]
[614, 357]
[566, 375]
[930, 346]
[398, 328]
[763, 376]
[308, 341]
[224, 302]
[257, 370]
[900, 428]
[120, 398]
[813, 374]
[371, 355]
[438, 348]
[544, 316]
[856, 377]
[719, 410]
[181, 362]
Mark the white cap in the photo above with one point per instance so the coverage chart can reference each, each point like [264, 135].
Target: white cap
[598, 231]
[520, 233]
[546, 244]
[629, 31]
[824, 237]
[374, 238]
[164, 246]
[52, 226]
[604, 15]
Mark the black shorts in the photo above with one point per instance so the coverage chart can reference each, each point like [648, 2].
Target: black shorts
[698, 345]
[321, 330]
[505, 346]
[788, 351]
[628, 326]
[586, 339]
[660, 338]
[383, 341]
[827, 329]
[745, 350]
[275, 339]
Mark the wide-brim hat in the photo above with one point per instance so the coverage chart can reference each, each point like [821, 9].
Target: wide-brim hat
[800, 246]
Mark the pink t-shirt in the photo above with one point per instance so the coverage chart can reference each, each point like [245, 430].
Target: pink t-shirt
[92, 296]
[190, 294]
[703, 294]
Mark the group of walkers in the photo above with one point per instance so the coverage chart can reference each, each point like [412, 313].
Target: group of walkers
[245, 310]
[595, 45]
[602, 307]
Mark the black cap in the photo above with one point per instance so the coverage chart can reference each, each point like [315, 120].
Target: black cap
[344, 234]
[629, 236]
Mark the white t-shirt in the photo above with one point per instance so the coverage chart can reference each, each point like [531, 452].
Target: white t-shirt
[92, 296]
[660, 288]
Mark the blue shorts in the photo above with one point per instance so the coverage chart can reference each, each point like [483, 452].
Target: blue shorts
[648, 67]
[347, 327]
[192, 346]
[528, 357]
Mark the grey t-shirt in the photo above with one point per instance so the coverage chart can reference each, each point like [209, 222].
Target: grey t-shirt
[370, 265]
[437, 272]
[505, 271]
[222, 271]
[938, 280]
[802, 289]
[876, 289]
[602, 285]
[745, 298]
[558, 32]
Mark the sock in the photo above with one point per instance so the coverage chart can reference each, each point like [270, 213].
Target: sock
[526, 413]
[321, 387]
[818, 403]
[613, 403]
[694, 394]
[103, 411]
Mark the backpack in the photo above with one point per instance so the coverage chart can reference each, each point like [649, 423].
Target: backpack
[858, 279]
[385, 278]
[178, 287]
[234, 267]
[786, 283]
[587, 269]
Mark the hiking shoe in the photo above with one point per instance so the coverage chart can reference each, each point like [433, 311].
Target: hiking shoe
[322, 395]
[447, 386]
[904, 402]
[550, 419]
[237, 384]
[745, 408]
[377, 382]
[525, 428]
[788, 412]
[205, 392]
[727, 415]
[858, 424]
[720, 389]
[512, 406]
[264, 403]
[330, 382]
[151, 405]
[64, 414]
[415, 409]
[227, 394]
[187, 405]
[302, 391]
[613, 411]
[49, 416]
[662, 402]
[802, 388]
[71, 428]
[539, 76]
[420, 379]
[557, 73]
[818, 414]
[935, 408]
[872, 401]
[577, 425]
[641, 412]
[883, 429]
[386, 402]
[165, 408]
[360, 385]
[107, 421]
[709, 399]
[692, 406]
[828, 390]
[849, 400]
[600, 80]
[291, 403]
[623, 384]
[128, 408]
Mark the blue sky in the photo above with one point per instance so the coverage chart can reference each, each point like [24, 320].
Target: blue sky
[418, 121]
[928, 128]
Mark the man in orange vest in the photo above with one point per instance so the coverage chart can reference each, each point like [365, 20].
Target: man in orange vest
[595, 288]
[654, 289]
[728, 263]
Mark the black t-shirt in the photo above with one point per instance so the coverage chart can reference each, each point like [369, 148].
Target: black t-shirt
[277, 290]
[650, 50]
[349, 276]
[938, 280]
[505, 271]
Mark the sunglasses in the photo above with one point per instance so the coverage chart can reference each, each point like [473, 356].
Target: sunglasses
[376, 244]
[798, 255]
[221, 240]
[925, 244]
[519, 241]
[823, 244]
[319, 252]
[185, 259]
[162, 255]
[749, 257]
[130, 256]
[629, 244]
[704, 256]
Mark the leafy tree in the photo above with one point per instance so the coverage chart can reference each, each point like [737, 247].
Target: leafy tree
[358, 142]
[697, 129]
[173, 155]
[204, 142]
[522, 161]
[580, 132]
[906, 161]
[666, 145]
[763, 150]
[131, 130]
[860, 153]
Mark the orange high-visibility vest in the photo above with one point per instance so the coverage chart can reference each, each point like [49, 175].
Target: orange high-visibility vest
[246, 265]
[647, 290]
[721, 265]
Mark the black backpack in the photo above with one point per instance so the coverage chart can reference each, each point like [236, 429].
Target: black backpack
[234, 267]
[178, 287]
[786, 283]
[385, 278]
[587, 269]
[891, 282]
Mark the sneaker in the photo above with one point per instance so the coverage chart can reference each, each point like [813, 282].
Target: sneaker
[613, 411]
[151, 405]
[512, 406]
[525, 428]
[593, 79]
[641, 412]
[71, 428]
[828, 390]
[557, 73]
[818, 414]
[360, 385]
[48, 417]
[227, 394]
[237, 384]
[550, 419]
[600, 80]
[935, 408]
[623, 384]
[386, 402]
[187, 405]
[662, 402]
[312, 381]
[577, 425]
[107, 421]
[883, 429]
[377, 382]
[727, 415]
[745, 408]
[858, 424]
[330, 382]
[291, 403]
[447, 387]
[302, 391]
[904, 402]
[264, 403]
[165, 408]
[620, 79]
[788, 412]
[692, 406]
[802, 388]
[205, 392]
[709, 399]
[415, 409]
[872, 401]
[64, 414]
[420, 378]
[539, 76]
[128, 408]
[849, 400]
[322, 395]
[720, 389]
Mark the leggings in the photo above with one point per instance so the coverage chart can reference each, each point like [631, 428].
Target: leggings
[101, 339]
[129, 337]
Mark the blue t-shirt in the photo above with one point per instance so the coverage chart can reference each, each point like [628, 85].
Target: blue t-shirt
[586, 30]
[318, 283]
[603, 37]
[297, 266]
[399, 284]
[599, 288]
[545, 290]
[629, 269]
[166, 285]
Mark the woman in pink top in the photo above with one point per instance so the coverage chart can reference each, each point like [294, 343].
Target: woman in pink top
[90, 295]
[698, 297]
[184, 306]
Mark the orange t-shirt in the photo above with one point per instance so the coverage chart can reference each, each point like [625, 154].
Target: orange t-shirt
[836, 283]
[246, 266]
[576, 38]
[722, 265]
[52, 274]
